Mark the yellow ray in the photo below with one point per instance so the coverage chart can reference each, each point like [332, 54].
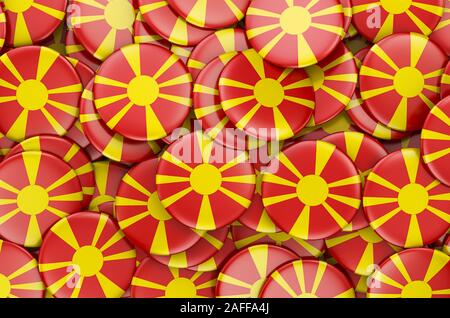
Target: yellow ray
[397, 261]
[276, 276]
[139, 282]
[300, 274]
[236, 197]
[335, 215]
[373, 177]
[270, 45]
[23, 269]
[321, 269]
[205, 218]
[233, 281]
[385, 57]
[11, 68]
[159, 243]
[110, 289]
[70, 175]
[177, 196]
[167, 65]
[324, 151]
[103, 219]
[301, 226]
[120, 256]
[133, 58]
[375, 224]
[436, 265]
[47, 58]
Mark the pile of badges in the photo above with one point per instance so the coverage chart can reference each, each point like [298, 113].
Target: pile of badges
[227, 148]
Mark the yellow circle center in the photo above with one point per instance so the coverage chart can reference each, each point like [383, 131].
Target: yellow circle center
[317, 76]
[396, 6]
[88, 261]
[280, 236]
[181, 288]
[32, 200]
[156, 209]
[143, 90]
[312, 190]
[409, 82]
[18, 6]
[369, 235]
[269, 92]
[413, 198]
[256, 288]
[32, 95]
[295, 20]
[5, 286]
[206, 179]
[119, 14]
[417, 289]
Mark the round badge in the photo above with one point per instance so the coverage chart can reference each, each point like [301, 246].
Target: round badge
[108, 176]
[40, 93]
[296, 33]
[19, 274]
[199, 187]
[154, 280]
[359, 251]
[86, 256]
[75, 50]
[365, 152]
[413, 273]
[307, 279]
[67, 151]
[311, 190]
[259, 261]
[376, 20]
[31, 21]
[111, 145]
[219, 259]
[77, 135]
[265, 101]
[403, 203]
[143, 33]
[399, 80]
[164, 21]
[37, 190]
[143, 218]
[209, 245]
[103, 26]
[356, 110]
[211, 14]
[244, 237]
[208, 109]
[435, 141]
[143, 92]
[218, 43]
[445, 82]
[440, 32]
[334, 81]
